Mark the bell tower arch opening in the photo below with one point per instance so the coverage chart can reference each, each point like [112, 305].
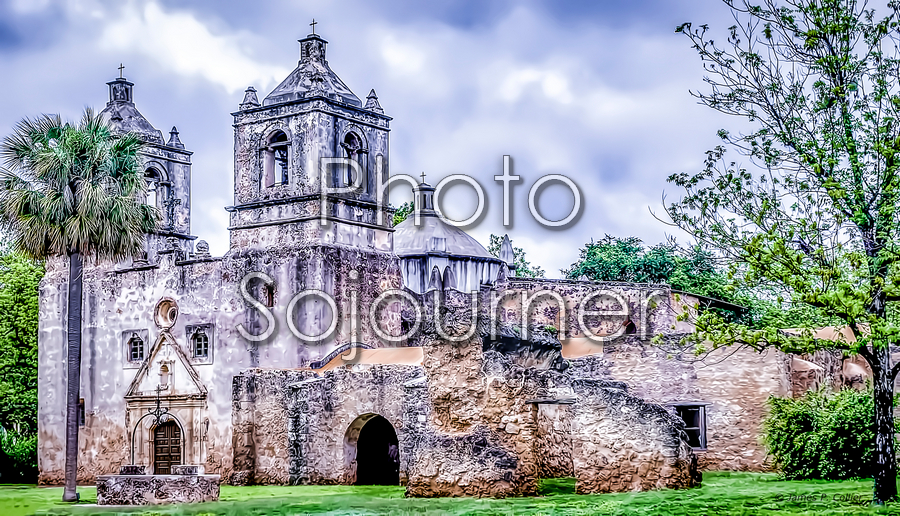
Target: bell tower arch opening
[372, 452]
[276, 159]
[354, 150]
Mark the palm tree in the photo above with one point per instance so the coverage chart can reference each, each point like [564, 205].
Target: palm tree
[73, 190]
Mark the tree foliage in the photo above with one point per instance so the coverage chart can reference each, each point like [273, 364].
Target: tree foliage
[73, 187]
[18, 457]
[626, 259]
[810, 209]
[403, 212]
[524, 269]
[19, 280]
[822, 435]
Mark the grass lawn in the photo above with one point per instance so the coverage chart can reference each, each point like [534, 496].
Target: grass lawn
[722, 493]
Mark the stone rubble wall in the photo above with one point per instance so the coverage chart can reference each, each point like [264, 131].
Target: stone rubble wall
[328, 412]
[260, 420]
[732, 384]
[622, 443]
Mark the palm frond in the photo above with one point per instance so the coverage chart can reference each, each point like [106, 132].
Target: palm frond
[73, 187]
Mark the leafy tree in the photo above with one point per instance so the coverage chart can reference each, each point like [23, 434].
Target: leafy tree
[73, 190]
[19, 279]
[626, 259]
[403, 212]
[524, 269]
[813, 211]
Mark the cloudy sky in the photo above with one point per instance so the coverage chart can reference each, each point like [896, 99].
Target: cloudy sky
[595, 90]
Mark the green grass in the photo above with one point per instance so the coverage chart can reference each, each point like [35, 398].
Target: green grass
[722, 493]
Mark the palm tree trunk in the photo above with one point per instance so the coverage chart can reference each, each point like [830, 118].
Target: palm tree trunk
[885, 459]
[73, 368]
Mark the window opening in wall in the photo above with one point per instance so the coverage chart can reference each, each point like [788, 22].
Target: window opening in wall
[164, 376]
[81, 412]
[135, 348]
[275, 160]
[694, 417]
[269, 295]
[201, 344]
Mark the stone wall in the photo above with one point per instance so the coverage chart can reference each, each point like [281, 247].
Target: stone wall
[328, 412]
[622, 443]
[260, 415]
[732, 385]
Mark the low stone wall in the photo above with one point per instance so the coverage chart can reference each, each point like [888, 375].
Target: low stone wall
[622, 443]
[156, 489]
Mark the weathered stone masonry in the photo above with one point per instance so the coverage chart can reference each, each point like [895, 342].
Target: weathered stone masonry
[528, 392]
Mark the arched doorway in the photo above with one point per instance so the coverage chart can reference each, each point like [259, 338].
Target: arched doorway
[377, 451]
[166, 448]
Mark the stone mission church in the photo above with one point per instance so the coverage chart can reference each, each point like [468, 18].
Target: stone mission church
[471, 381]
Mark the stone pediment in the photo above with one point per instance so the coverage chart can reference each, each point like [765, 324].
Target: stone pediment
[167, 364]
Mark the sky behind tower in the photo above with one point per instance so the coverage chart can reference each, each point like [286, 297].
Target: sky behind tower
[597, 91]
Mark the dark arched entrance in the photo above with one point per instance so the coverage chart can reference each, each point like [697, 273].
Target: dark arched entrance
[166, 448]
[377, 454]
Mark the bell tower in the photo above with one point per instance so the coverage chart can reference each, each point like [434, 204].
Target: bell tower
[310, 137]
[308, 160]
[167, 170]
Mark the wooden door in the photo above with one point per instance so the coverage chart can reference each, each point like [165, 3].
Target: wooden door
[166, 448]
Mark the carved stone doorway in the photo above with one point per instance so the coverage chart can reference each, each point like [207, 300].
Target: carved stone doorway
[377, 454]
[166, 448]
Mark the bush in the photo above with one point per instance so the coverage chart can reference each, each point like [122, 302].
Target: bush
[18, 458]
[824, 435]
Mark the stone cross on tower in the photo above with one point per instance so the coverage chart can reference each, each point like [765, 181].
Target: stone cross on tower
[121, 68]
[423, 176]
[313, 25]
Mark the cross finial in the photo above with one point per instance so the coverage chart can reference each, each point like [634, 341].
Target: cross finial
[423, 176]
[313, 25]
[121, 67]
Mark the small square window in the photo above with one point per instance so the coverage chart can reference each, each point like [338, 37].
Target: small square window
[694, 417]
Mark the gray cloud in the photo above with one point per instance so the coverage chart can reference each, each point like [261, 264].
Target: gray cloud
[595, 90]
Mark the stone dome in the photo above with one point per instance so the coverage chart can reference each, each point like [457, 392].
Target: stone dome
[123, 117]
[438, 255]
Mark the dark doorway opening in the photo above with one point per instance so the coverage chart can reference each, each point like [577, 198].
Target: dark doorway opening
[377, 454]
[166, 448]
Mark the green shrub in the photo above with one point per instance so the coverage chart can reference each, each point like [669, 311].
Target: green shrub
[827, 435]
[18, 458]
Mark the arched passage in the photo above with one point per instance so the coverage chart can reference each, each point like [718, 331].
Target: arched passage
[373, 451]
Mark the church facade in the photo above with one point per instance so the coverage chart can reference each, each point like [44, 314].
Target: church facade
[327, 346]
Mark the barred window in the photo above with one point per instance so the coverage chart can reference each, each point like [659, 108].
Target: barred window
[135, 348]
[201, 344]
